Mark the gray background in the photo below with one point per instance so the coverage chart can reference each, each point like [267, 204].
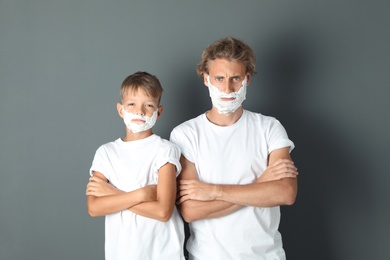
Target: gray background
[323, 71]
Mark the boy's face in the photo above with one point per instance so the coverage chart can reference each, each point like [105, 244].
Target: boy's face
[138, 102]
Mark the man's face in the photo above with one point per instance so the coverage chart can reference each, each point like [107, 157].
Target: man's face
[226, 75]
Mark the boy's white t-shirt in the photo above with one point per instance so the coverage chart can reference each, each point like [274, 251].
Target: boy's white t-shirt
[130, 166]
[235, 154]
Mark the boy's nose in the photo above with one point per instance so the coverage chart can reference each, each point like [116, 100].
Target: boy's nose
[140, 111]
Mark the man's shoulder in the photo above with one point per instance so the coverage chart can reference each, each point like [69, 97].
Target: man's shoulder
[189, 124]
[259, 117]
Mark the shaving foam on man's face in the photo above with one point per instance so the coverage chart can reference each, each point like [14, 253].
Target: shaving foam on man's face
[138, 123]
[235, 99]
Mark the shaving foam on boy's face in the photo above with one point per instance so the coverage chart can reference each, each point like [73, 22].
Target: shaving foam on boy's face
[136, 127]
[227, 106]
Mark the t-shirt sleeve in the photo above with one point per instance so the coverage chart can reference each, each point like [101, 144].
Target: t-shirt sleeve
[277, 137]
[181, 136]
[99, 162]
[171, 154]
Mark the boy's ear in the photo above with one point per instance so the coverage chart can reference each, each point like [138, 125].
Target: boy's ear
[119, 108]
[159, 111]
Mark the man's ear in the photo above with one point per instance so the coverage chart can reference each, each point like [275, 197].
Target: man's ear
[159, 111]
[248, 79]
[119, 107]
[205, 81]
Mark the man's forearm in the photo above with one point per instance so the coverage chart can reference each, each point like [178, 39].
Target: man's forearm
[265, 194]
[193, 210]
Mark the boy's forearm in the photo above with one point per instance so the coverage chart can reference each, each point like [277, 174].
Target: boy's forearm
[153, 209]
[100, 206]
[162, 206]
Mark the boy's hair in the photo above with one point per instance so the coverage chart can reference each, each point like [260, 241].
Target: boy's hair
[228, 48]
[145, 81]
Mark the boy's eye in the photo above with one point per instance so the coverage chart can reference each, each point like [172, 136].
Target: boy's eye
[150, 105]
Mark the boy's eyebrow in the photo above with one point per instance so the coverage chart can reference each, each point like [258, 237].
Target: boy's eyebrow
[151, 99]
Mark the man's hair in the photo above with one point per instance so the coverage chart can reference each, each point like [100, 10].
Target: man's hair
[142, 80]
[228, 48]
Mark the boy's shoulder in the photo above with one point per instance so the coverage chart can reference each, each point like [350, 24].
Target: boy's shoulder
[110, 145]
[152, 143]
[164, 143]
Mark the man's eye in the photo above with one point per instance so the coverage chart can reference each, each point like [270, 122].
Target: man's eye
[218, 78]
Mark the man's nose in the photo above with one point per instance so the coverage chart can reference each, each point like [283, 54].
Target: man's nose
[227, 87]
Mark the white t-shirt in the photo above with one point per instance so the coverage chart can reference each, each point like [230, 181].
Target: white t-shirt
[235, 154]
[129, 166]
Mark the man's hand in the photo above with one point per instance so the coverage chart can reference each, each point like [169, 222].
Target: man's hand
[196, 190]
[98, 187]
[282, 168]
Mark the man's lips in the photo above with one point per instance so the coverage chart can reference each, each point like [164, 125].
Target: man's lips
[138, 121]
[228, 99]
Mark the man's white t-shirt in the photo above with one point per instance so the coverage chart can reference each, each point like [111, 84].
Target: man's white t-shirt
[130, 166]
[235, 154]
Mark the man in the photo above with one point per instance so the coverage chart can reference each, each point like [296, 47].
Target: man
[236, 165]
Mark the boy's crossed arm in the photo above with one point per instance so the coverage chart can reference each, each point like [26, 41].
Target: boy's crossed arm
[162, 208]
[103, 198]
[151, 201]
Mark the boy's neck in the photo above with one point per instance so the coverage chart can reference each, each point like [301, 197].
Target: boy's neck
[130, 136]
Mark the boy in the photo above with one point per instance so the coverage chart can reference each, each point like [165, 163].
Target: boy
[133, 180]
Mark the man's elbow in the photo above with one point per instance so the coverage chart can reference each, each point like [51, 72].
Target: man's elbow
[187, 218]
[290, 199]
[186, 213]
[290, 194]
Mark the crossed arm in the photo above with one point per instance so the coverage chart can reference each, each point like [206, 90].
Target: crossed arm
[276, 186]
[151, 201]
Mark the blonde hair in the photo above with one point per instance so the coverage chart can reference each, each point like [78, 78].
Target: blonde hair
[142, 80]
[228, 48]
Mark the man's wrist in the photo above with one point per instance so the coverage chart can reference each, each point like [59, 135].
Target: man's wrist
[218, 191]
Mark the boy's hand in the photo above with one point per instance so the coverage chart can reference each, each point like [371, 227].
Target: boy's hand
[282, 168]
[98, 187]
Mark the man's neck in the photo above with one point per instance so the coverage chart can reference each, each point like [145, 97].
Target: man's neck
[224, 119]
